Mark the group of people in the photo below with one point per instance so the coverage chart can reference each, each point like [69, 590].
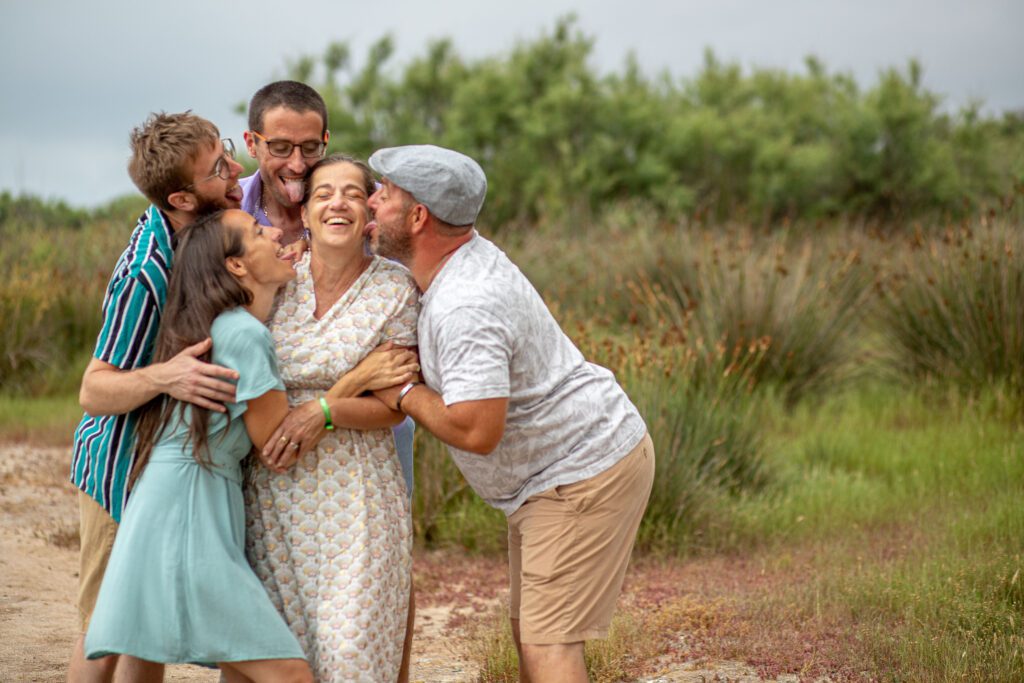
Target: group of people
[245, 460]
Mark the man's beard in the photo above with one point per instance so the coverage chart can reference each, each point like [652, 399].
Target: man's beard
[206, 206]
[393, 244]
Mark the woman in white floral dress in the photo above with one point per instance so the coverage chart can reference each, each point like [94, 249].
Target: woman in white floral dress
[331, 536]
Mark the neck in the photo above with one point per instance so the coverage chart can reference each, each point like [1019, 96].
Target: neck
[262, 301]
[429, 260]
[330, 267]
[288, 219]
[179, 219]
[333, 272]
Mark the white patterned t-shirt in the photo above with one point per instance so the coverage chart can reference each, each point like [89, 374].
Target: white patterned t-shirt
[485, 332]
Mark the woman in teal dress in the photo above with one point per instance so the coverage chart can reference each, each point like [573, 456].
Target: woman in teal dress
[178, 587]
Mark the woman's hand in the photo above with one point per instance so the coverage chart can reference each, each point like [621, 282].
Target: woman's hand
[299, 432]
[385, 366]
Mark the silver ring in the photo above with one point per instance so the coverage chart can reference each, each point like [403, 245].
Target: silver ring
[293, 445]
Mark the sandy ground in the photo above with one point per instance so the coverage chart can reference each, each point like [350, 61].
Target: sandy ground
[39, 573]
[39, 578]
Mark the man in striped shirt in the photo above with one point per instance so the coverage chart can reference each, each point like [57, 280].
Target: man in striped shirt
[183, 167]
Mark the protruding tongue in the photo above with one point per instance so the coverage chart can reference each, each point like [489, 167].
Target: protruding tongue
[369, 228]
[294, 189]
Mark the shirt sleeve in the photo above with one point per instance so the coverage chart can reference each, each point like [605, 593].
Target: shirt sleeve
[401, 326]
[248, 348]
[131, 318]
[474, 348]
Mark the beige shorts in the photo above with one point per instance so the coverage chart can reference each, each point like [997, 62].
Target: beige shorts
[96, 532]
[568, 548]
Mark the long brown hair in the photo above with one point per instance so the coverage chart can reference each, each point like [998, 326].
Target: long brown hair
[200, 289]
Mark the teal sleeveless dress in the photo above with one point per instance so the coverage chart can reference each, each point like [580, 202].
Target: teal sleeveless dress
[178, 587]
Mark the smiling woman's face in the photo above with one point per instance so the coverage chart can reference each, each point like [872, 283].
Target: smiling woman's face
[262, 258]
[336, 212]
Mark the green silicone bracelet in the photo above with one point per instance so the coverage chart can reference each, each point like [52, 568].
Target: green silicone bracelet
[328, 425]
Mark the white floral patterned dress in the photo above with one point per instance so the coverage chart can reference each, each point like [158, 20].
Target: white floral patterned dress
[331, 538]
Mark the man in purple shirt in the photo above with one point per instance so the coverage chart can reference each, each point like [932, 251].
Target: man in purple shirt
[287, 135]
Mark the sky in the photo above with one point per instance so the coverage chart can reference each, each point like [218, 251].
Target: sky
[76, 76]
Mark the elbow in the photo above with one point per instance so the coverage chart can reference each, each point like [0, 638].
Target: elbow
[394, 419]
[482, 444]
[87, 401]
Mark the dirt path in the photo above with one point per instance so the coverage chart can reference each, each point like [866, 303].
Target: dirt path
[39, 572]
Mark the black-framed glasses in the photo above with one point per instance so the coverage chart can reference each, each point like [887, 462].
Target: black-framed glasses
[222, 169]
[311, 149]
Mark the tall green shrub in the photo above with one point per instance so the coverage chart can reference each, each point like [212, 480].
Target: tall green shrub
[558, 139]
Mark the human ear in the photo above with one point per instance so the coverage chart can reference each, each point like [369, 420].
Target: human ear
[236, 267]
[250, 143]
[182, 201]
[419, 215]
[305, 217]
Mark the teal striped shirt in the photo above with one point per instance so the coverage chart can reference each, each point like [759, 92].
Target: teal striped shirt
[104, 446]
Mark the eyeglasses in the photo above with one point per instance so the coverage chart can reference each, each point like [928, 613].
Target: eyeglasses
[222, 169]
[311, 149]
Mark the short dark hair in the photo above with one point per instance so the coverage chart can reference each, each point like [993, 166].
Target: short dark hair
[293, 95]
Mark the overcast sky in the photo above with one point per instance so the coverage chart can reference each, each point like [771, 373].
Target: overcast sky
[77, 75]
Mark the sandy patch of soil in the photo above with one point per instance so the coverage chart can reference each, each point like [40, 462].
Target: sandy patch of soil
[39, 575]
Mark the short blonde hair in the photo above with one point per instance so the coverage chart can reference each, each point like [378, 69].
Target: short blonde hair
[164, 150]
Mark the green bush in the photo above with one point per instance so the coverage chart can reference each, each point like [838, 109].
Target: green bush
[560, 140]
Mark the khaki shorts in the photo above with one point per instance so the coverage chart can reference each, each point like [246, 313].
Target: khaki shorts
[96, 532]
[568, 548]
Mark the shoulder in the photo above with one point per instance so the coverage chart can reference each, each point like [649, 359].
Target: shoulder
[386, 270]
[149, 251]
[249, 184]
[237, 326]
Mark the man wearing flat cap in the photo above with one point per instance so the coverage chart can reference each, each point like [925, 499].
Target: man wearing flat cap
[537, 431]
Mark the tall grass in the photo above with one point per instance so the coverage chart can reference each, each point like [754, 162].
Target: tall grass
[912, 509]
[56, 263]
[698, 408]
[801, 298]
[954, 307]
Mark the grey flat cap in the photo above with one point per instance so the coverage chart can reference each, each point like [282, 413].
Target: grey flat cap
[447, 182]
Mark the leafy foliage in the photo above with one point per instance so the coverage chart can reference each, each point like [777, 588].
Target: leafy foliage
[557, 138]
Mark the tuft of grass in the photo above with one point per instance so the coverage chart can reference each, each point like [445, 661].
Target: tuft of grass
[699, 411]
[952, 308]
[801, 298]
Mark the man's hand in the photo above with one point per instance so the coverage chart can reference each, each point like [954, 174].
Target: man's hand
[298, 433]
[474, 426]
[110, 390]
[187, 378]
[385, 366]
